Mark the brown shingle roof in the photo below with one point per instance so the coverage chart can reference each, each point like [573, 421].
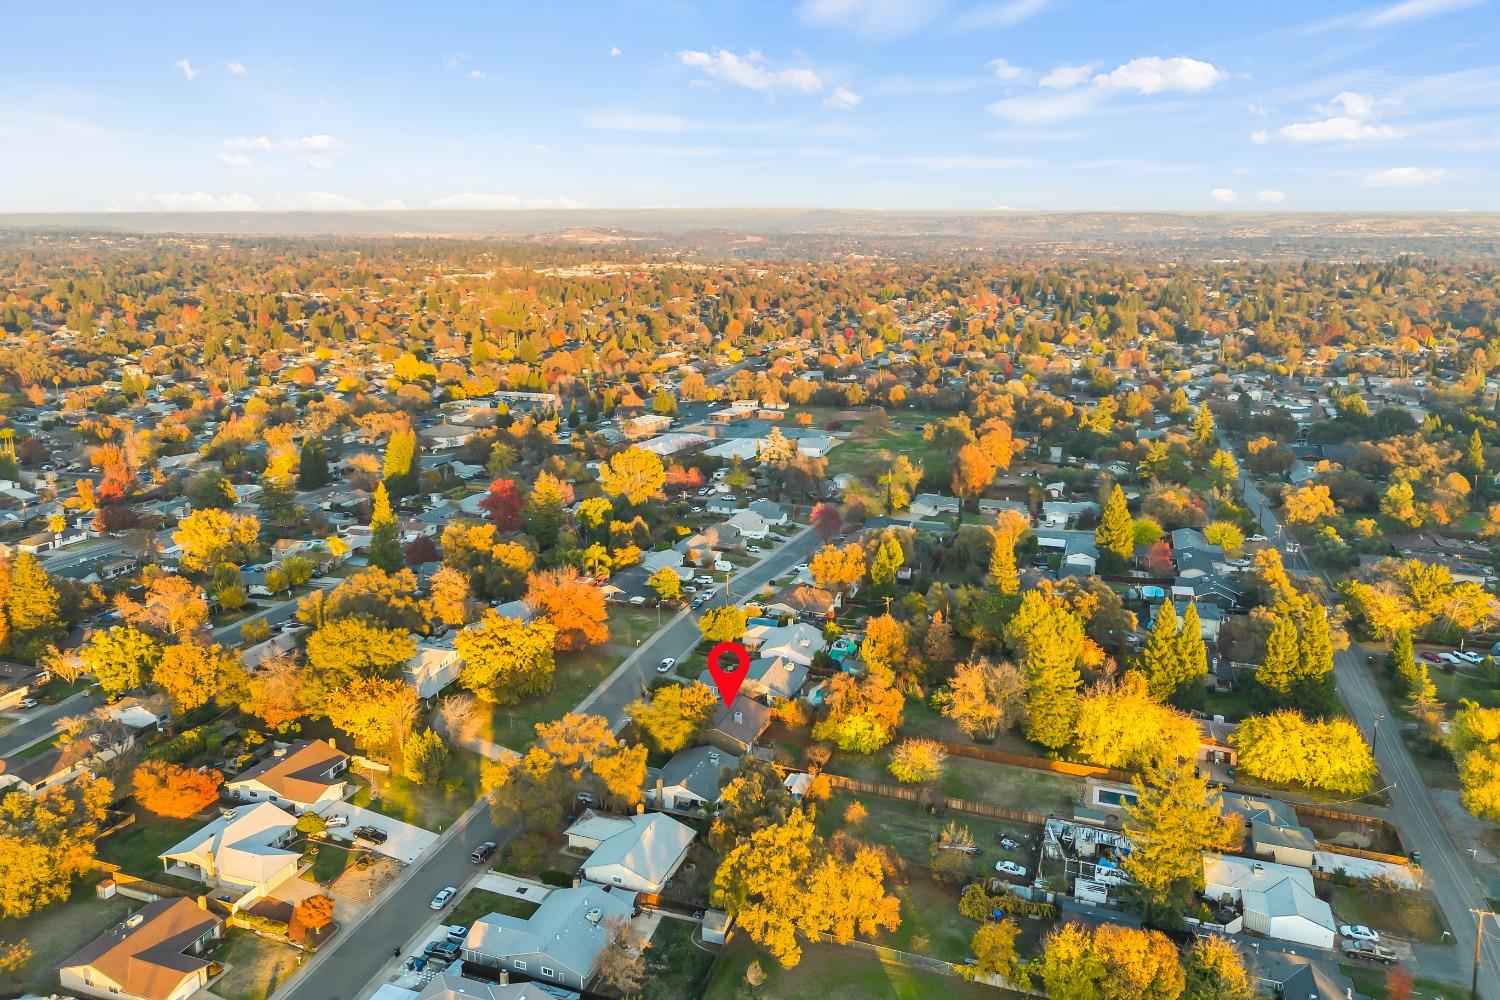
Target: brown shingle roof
[150, 959]
[301, 774]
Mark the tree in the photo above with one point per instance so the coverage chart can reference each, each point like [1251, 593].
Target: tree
[121, 659]
[666, 584]
[675, 715]
[210, 537]
[755, 799]
[1109, 962]
[973, 471]
[726, 624]
[918, 761]
[172, 606]
[985, 698]
[506, 659]
[1402, 659]
[504, 505]
[311, 914]
[348, 647]
[1287, 748]
[1049, 640]
[1215, 970]
[449, 597]
[399, 470]
[862, 714]
[276, 692]
[573, 605]
[32, 607]
[47, 841]
[175, 791]
[838, 569]
[545, 506]
[531, 788]
[636, 475]
[826, 521]
[1121, 726]
[994, 948]
[1161, 657]
[888, 559]
[423, 758]
[784, 882]
[191, 674]
[385, 537]
[1224, 471]
[1281, 665]
[1309, 504]
[377, 713]
[1203, 427]
[1192, 659]
[1003, 572]
[621, 964]
[1172, 822]
[312, 466]
[622, 773]
[1115, 535]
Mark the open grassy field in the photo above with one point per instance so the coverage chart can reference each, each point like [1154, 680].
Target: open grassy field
[828, 972]
[58, 931]
[675, 966]
[577, 674]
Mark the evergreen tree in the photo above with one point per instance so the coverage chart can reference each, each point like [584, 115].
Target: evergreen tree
[1115, 536]
[312, 466]
[1203, 427]
[1160, 660]
[1314, 690]
[400, 468]
[1003, 572]
[34, 607]
[1171, 824]
[1192, 654]
[1281, 668]
[385, 538]
[1049, 640]
[1402, 659]
[888, 559]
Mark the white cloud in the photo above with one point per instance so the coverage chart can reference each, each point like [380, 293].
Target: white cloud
[1003, 70]
[1260, 137]
[1042, 109]
[187, 69]
[233, 159]
[1414, 10]
[1271, 197]
[1346, 119]
[615, 51]
[1064, 77]
[1002, 15]
[235, 68]
[750, 71]
[502, 201]
[1405, 177]
[878, 19]
[1224, 196]
[315, 151]
[1153, 75]
[390, 205]
[257, 143]
[202, 201]
[477, 74]
[455, 59]
[842, 99]
[316, 201]
[319, 143]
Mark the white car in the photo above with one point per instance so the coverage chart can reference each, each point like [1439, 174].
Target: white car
[800, 568]
[754, 550]
[443, 897]
[1470, 656]
[336, 821]
[1010, 868]
[1256, 538]
[1450, 658]
[1359, 932]
[27, 703]
[666, 664]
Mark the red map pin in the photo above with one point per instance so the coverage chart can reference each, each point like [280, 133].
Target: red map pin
[729, 679]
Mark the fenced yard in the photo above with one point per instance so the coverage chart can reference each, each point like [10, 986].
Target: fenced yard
[56, 932]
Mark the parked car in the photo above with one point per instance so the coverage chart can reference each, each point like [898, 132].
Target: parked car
[446, 950]
[1432, 657]
[482, 852]
[754, 550]
[704, 581]
[336, 821]
[457, 932]
[1450, 658]
[1010, 868]
[799, 568]
[1369, 950]
[373, 834]
[1359, 932]
[27, 703]
[1469, 656]
[666, 664]
[444, 897]
[1257, 538]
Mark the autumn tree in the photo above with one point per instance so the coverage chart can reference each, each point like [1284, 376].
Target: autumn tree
[984, 698]
[918, 761]
[973, 471]
[545, 508]
[888, 560]
[573, 605]
[1003, 571]
[504, 505]
[530, 788]
[621, 964]
[1172, 822]
[385, 533]
[784, 883]
[826, 520]
[1160, 659]
[756, 798]
[675, 715]
[120, 658]
[1115, 535]
[1049, 641]
[1109, 962]
[1215, 970]
[635, 475]
[994, 948]
[210, 537]
[449, 598]
[1121, 726]
[190, 674]
[47, 841]
[506, 660]
[276, 692]
[862, 713]
[175, 791]
[31, 605]
[666, 584]
[423, 758]
[726, 624]
[377, 713]
[399, 469]
[838, 569]
[171, 607]
[350, 647]
[311, 914]
[1288, 748]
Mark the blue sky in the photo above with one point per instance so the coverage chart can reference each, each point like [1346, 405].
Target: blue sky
[885, 104]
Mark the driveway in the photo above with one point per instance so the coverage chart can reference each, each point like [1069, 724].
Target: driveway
[404, 842]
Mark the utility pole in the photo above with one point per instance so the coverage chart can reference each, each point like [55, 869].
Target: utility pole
[1479, 916]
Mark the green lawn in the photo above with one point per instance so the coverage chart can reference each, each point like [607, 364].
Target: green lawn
[328, 863]
[628, 625]
[853, 455]
[431, 808]
[1369, 980]
[58, 931]
[577, 674]
[255, 967]
[1233, 705]
[1410, 915]
[1014, 787]
[829, 972]
[137, 848]
[57, 690]
[481, 902]
[675, 966]
[39, 748]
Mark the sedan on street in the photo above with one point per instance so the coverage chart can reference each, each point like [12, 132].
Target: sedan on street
[444, 896]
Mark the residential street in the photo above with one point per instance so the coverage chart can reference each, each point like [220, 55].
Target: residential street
[366, 948]
[40, 721]
[1453, 882]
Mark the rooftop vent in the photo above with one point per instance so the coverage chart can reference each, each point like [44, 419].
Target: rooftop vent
[594, 916]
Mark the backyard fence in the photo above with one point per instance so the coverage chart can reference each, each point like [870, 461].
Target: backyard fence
[1035, 763]
[1355, 852]
[891, 956]
[906, 794]
[136, 887]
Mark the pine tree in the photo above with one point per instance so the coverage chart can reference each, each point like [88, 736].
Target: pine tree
[1170, 825]
[1115, 536]
[1402, 659]
[312, 466]
[1314, 691]
[385, 539]
[34, 607]
[1203, 426]
[1003, 572]
[400, 468]
[1192, 654]
[1050, 640]
[1160, 660]
[1280, 669]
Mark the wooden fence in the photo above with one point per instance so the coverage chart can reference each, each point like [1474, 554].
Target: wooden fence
[907, 794]
[1355, 852]
[1035, 763]
[125, 881]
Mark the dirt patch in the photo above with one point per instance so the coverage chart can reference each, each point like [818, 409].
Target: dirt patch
[361, 885]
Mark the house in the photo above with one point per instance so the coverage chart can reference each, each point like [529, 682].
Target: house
[559, 943]
[691, 779]
[722, 505]
[155, 954]
[446, 986]
[432, 667]
[774, 514]
[61, 763]
[1272, 829]
[637, 853]
[17, 681]
[802, 601]
[1277, 900]
[303, 776]
[992, 508]
[800, 642]
[737, 726]
[1299, 977]
[749, 524]
[935, 505]
[244, 851]
[142, 712]
[772, 678]
[646, 425]
[278, 645]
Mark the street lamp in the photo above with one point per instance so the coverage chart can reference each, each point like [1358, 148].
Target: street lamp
[1375, 731]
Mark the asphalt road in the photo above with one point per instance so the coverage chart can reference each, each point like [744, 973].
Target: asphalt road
[41, 721]
[359, 956]
[1452, 879]
[97, 550]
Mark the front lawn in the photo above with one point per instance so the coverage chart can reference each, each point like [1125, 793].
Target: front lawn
[58, 931]
[1413, 916]
[1370, 982]
[829, 972]
[137, 849]
[514, 726]
[629, 625]
[328, 860]
[481, 903]
[429, 807]
[675, 966]
[254, 966]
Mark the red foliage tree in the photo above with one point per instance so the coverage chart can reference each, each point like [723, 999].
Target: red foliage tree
[1399, 984]
[419, 550]
[175, 791]
[1159, 558]
[826, 520]
[681, 478]
[503, 504]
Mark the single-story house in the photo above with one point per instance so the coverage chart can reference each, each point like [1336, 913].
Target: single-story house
[304, 776]
[638, 853]
[151, 711]
[799, 642]
[770, 678]
[446, 986]
[773, 513]
[750, 525]
[1278, 901]
[432, 667]
[935, 505]
[17, 681]
[154, 954]
[559, 943]
[802, 601]
[1272, 829]
[691, 779]
[61, 763]
[737, 726]
[244, 851]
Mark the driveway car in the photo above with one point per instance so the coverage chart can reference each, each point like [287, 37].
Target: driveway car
[1010, 868]
[1359, 932]
[373, 834]
[444, 896]
[1469, 656]
[1370, 950]
[1432, 657]
[27, 703]
[1450, 658]
[446, 950]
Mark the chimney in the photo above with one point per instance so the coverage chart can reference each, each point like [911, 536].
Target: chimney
[504, 977]
[202, 902]
[577, 882]
[739, 717]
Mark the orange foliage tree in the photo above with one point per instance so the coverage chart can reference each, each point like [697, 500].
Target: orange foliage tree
[573, 605]
[175, 791]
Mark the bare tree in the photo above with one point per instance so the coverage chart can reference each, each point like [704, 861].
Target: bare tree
[622, 963]
[459, 714]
